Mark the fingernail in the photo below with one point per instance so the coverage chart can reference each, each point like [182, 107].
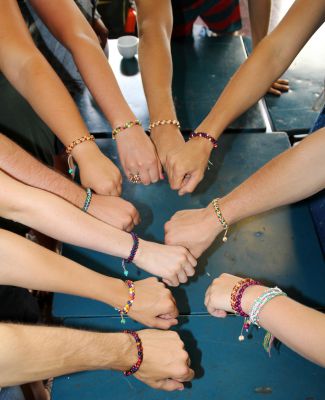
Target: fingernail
[181, 388]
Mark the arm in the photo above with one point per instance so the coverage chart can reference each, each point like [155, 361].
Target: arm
[292, 176]
[259, 16]
[69, 26]
[31, 353]
[51, 215]
[37, 268]
[22, 166]
[299, 327]
[28, 71]
[268, 61]
[155, 25]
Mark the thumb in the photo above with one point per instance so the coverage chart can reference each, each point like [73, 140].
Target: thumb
[170, 384]
[190, 183]
[163, 323]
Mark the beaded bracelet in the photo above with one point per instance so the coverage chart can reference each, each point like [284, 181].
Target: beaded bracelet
[74, 143]
[223, 222]
[127, 125]
[132, 253]
[124, 311]
[88, 200]
[205, 136]
[237, 294]
[138, 342]
[162, 122]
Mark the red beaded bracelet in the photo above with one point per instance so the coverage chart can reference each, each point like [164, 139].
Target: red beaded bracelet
[205, 136]
[138, 342]
[237, 294]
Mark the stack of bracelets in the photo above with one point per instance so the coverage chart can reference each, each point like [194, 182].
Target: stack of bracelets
[125, 310]
[132, 253]
[137, 365]
[259, 303]
[127, 125]
[162, 122]
[72, 145]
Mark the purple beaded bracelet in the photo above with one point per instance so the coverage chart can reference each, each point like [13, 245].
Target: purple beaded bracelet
[237, 303]
[132, 253]
[205, 136]
[137, 365]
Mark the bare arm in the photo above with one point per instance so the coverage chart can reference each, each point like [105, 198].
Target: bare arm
[259, 16]
[28, 71]
[37, 268]
[52, 215]
[31, 353]
[268, 61]
[22, 166]
[299, 327]
[292, 176]
[70, 27]
[155, 23]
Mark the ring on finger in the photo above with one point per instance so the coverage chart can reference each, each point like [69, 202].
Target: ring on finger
[135, 178]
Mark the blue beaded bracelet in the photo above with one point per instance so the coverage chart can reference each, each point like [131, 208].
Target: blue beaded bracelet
[88, 200]
[132, 253]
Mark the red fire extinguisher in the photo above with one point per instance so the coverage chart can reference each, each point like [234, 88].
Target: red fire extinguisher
[131, 21]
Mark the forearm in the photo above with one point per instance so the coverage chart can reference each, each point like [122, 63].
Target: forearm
[299, 327]
[155, 28]
[37, 268]
[292, 176]
[51, 215]
[32, 353]
[268, 61]
[19, 164]
[259, 15]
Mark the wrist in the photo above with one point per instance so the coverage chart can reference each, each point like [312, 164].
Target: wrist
[85, 152]
[140, 255]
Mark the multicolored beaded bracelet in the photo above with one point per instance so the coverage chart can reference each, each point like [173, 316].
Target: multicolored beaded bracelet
[137, 365]
[127, 125]
[132, 253]
[72, 145]
[124, 311]
[223, 222]
[205, 136]
[162, 122]
[237, 294]
[88, 200]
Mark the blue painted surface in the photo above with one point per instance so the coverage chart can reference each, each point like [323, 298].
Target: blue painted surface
[202, 69]
[295, 111]
[277, 247]
[226, 369]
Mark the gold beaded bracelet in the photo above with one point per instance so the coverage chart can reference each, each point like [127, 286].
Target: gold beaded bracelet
[127, 125]
[74, 143]
[164, 122]
[221, 219]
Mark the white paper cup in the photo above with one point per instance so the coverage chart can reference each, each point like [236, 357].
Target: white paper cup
[128, 46]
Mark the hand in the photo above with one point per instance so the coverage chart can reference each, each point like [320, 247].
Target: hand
[101, 31]
[166, 365]
[154, 305]
[173, 263]
[138, 155]
[99, 173]
[193, 229]
[186, 165]
[279, 86]
[217, 297]
[166, 139]
[114, 211]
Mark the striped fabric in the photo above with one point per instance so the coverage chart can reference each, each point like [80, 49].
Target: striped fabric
[221, 16]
